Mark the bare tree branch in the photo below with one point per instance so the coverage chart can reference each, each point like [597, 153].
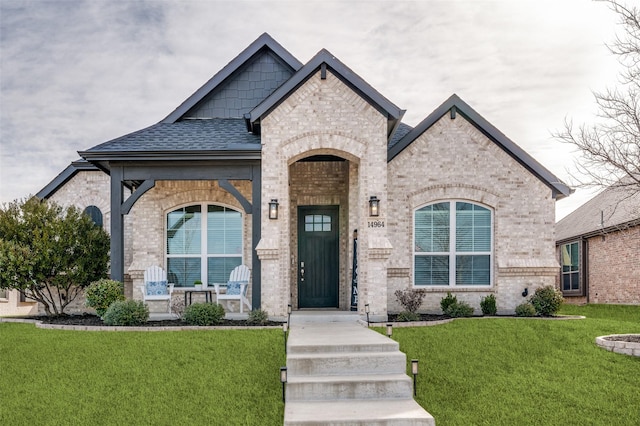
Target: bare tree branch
[609, 148]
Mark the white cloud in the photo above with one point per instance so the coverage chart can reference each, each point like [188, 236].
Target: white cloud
[77, 73]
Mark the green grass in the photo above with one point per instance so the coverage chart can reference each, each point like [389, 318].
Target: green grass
[53, 377]
[527, 371]
[472, 372]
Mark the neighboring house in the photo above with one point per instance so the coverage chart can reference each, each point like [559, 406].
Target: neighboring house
[599, 249]
[274, 164]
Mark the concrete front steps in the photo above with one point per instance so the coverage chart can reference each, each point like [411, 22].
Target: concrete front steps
[341, 373]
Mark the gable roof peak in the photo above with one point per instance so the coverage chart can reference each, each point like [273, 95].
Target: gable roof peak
[393, 113]
[454, 105]
[262, 42]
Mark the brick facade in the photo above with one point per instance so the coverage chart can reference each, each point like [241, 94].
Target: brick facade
[613, 268]
[324, 117]
[453, 160]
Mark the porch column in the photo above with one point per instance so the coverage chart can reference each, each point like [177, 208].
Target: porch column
[117, 225]
[256, 226]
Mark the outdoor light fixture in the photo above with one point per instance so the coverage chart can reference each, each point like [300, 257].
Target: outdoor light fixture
[389, 330]
[283, 380]
[414, 371]
[285, 327]
[374, 206]
[273, 208]
[366, 311]
[289, 309]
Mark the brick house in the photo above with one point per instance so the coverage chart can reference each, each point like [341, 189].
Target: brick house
[598, 246]
[451, 205]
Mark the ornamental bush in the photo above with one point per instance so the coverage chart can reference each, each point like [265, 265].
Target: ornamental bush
[102, 293]
[203, 314]
[126, 313]
[546, 301]
[406, 316]
[488, 305]
[445, 302]
[525, 310]
[410, 299]
[258, 317]
[459, 309]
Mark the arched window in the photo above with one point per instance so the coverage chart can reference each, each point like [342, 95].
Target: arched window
[453, 245]
[204, 242]
[95, 214]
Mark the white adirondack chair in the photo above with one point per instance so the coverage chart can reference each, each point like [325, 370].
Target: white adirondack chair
[155, 287]
[236, 287]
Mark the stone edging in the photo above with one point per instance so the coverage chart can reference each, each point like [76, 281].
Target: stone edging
[40, 324]
[448, 320]
[619, 347]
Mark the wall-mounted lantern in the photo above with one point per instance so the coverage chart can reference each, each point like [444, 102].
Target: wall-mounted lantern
[273, 209]
[374, 206]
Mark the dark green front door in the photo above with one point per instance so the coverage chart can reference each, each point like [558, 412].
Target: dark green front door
[318, 257]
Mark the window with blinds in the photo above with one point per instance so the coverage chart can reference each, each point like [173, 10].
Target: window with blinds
[203, 245]
[453, 244]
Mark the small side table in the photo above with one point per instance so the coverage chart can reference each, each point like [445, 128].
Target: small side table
[208, 295]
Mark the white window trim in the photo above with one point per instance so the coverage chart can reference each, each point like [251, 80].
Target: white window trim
[452, 253]
[203, 255]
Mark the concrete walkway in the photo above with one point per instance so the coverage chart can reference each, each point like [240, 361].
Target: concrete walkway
[341, 373]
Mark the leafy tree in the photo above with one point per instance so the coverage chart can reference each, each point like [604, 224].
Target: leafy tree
[49, 253]
[609, 148]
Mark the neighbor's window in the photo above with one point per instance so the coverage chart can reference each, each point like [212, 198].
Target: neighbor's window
[570, 261]
[203, 241]
[453, 245]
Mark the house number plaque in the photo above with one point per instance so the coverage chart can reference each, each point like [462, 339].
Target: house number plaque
[375, 224]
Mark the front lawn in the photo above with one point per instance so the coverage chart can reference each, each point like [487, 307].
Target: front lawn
[501, 371]
[527, 371]
[53, 377]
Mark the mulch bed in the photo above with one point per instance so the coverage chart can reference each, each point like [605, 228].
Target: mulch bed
[93, 320]
[633, 338]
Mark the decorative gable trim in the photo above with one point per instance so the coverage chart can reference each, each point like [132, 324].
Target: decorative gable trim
[456, 106]
[322, 61]
[64, 177]
[262, 42]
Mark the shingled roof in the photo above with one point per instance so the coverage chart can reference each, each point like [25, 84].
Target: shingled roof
[182, 137]
[612, 209]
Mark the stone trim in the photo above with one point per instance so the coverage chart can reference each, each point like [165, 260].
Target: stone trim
[619, 347]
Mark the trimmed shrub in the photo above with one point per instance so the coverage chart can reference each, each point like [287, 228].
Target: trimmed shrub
[102, 293]
[203, 314]
[410, 299]
[126, 312]
[445, 302]
[459, 309]
[525, 310]
[406, 316]
[546, 301]
[258, 317]
[488, 305]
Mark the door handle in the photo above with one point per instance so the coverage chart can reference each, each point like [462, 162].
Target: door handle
[301, 271]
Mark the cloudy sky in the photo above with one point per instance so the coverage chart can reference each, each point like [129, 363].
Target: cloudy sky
[74, 74]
